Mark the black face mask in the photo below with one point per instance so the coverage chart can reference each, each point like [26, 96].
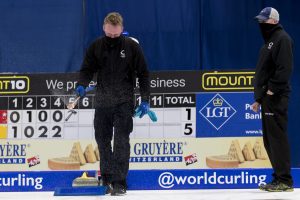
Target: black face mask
[112, 41]
[266, 30]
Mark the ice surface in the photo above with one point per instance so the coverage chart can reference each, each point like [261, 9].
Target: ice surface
[234, 194]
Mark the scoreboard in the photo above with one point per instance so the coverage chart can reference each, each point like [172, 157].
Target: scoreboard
[33, 106]
[205, 123]
[43, 117]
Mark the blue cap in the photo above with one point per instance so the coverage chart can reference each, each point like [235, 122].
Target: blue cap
[268, 13]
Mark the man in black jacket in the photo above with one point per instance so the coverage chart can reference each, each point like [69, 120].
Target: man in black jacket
[271, 91]
[117, 60]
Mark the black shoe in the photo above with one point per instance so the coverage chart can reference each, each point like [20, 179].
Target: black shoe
[280, 187]
[105, 182]
[109, 189]
[277, 186]
[265, 186]
[118, 190]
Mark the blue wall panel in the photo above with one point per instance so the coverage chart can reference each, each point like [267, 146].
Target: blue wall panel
[52, 35]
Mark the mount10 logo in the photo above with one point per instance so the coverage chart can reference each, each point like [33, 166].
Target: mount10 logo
[14, 84]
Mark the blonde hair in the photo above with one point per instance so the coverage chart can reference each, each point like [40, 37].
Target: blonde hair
[113, 18]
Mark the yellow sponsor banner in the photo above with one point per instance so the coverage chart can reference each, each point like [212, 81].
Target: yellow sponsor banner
[14, 84]
[177, 153]
[227, 81]
[45, 155]
[198, 153]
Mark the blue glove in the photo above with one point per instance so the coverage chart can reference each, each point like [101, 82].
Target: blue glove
[88, 89]
[80, 91]
[142, 109]
[139, 112]
[152, 116]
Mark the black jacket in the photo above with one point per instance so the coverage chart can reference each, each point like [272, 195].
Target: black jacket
[117, 67]
[274, 66]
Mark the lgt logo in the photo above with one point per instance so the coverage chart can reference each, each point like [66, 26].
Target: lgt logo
[217, 111]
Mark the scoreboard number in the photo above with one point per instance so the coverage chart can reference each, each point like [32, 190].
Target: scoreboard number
[57, 102]
[188, 126]
[56, 132]
[14, 117]
[188, 110]
[43, 116]
[188, 129]
[85, 102]
[15, 102]
[43, 131]
[190, 121]
[15, 131]
[29, 102]
[57, 116]
[43, 102]
[27, 132]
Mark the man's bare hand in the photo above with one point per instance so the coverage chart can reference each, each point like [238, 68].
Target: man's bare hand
[255, 106]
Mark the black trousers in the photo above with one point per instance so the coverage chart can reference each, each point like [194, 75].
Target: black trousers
[274, 123]
[114, 123]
